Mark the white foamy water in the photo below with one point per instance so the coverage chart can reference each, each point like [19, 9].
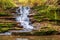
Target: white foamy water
[23, 18]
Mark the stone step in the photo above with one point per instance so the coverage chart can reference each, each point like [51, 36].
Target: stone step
[8, 21]
[7, 17]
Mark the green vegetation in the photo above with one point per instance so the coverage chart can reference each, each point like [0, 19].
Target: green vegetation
[4, 30]
[47, 11]
[6, 26]
[5, 14]
[4, 4]
[41, 32]
[37, 33]
[46, 31]
[43, 12]
[50, 32]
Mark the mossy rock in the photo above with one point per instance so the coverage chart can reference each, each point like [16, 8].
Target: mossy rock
[5, 14]
[45, 33]
[7, 25]
[2, 30]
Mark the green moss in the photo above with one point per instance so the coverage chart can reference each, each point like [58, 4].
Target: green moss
[4, 30]
[42, 32]
[46, 31]
[5, 14]
[46, 11]
[6, 26]
[37, 33]
[7, 4]
[50, 32]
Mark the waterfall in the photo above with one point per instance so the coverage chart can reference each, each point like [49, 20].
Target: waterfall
[23, 18]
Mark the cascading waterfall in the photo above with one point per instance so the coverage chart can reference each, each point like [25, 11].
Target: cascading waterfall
[23, 18]
[23, 13]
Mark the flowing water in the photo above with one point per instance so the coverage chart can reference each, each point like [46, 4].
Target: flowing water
[23, 18]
